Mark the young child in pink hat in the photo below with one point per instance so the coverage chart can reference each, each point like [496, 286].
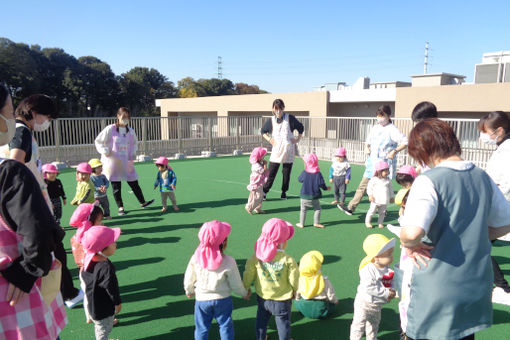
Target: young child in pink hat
[275, 276]
[340, 175]
[101, 284]
[258, 177]
[166, 180]
[55, 189]
[380, 193]
[85, 216]
[313, 182]
[211, 276]
[84, 188]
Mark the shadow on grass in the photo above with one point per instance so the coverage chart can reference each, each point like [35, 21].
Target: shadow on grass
[121, 265]
[124, 220]
[500, 317]
[153, 289]
[138, 241]
[331, 259]
[213, 204]
[161, 228]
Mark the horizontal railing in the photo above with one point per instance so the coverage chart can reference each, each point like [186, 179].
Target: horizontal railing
[71, 140]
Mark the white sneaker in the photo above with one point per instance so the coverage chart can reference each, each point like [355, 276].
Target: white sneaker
[500, 296]
[394, 229]
[76, 300]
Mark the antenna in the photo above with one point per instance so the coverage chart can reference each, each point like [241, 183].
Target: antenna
[426, 61]
[220, 69]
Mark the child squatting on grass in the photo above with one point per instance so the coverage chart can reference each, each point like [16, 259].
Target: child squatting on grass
[211, 276]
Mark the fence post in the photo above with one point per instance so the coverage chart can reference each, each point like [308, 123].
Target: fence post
[210, 135]
[56, 132]
[179, 134]
[238, 137]
[144, 136]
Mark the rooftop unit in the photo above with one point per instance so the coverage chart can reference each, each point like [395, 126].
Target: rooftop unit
[495, 68]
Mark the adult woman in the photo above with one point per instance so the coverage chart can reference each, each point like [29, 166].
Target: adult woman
[382, 144]
[117, 144]
[279, 131]
[7, 123]
[495, 130]
[458, 208]
[29, 235]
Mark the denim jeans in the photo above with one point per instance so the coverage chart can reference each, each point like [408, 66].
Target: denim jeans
[281, 311]
[221, 310]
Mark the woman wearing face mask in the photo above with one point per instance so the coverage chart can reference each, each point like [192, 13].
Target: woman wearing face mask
[494, 129]
[7, 123]
[279, 131]
[382, 144]
[117, 144]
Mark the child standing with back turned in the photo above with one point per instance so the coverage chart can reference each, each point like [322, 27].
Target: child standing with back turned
[258, 177]
[380, 193]
[275, 276]
[374, 288]
[166, 180]
[211, 276]
[340, 175]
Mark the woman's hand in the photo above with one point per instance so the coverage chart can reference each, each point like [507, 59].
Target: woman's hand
[391, 154]
[419, 253]
[371, 198]
[14, 294]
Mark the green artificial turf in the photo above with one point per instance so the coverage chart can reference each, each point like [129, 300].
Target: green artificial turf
[154, 249]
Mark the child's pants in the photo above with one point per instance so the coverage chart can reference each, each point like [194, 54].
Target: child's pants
[105, 204]
[103, 327]
[165, 195]
[316, 205]
[281, 311]
[339, 188]
[255, 199]
[57, 208]
[221, 310]
[85, 299]
[381, 210]
[366, 319]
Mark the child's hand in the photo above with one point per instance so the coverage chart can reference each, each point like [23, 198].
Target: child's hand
[64, 201]
[371, 198]
[346, 181]
[189, 296]
[247, 297]
[102, 189]
[331, 180]
[391, 295]
[172, 186]
[118, 308]
[328, 188]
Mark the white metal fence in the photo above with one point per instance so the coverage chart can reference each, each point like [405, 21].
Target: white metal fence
[71, 140]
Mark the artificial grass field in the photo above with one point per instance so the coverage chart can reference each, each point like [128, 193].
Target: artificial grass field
[154, 249]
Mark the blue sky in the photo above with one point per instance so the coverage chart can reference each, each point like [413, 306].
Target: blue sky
[282, 46]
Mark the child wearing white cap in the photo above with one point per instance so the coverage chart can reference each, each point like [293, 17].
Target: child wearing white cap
[380, 193]
[340, 175]
[374, 288]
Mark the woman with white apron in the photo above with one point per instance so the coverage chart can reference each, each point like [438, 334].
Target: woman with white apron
[117, 144]
[279, 131]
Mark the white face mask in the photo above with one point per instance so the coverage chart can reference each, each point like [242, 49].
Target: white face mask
[6, 137]
[125, 122]
[486, 138]
[382, 121]
[42, 127]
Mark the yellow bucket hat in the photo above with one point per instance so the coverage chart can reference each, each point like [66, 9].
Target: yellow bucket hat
[399, 197]
[94, 163]
[311, 282]
[374, 245]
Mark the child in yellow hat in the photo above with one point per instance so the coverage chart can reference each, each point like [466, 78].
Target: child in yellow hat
[374, 288]
[101, 184]
[315, 298]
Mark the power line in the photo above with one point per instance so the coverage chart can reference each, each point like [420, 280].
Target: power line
[220, 68]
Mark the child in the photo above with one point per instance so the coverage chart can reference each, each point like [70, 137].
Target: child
[55, 189]
[275, 276]
[339, 175]
[166, 180]
[101, 285]
[313, 182]
[405, 177]
[211, 276]
[84, 187]
[316, 297]
[380, 193]
[85, 216]
[258, 177]
[374, 287]
[101, 184]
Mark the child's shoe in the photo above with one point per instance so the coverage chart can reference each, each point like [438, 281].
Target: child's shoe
[381, 226]
[319, 226]
[260, 211]
[176, 208]
[76, 300]
[368, 225]
[299, 225]
[345, 209]
[247, 210]
[283, 196]
[163, 209]
[122, 212]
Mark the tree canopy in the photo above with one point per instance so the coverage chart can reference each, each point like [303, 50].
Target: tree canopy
[86, 86]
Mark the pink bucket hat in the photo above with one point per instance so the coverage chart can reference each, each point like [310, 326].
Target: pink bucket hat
[162, 161]
[80, 219]
[340, 152]
[49, 168]
[96, 239]
[381, 165]
[257, 154]
[274, 232]
[407, 170]
[311, 163]
[211, 235]
[84, 168]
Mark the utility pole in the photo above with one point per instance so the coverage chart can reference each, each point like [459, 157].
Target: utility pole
[426, 61]
[220, 69]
